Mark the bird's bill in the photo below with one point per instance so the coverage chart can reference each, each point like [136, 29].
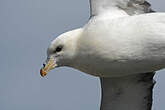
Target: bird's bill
[50, 64]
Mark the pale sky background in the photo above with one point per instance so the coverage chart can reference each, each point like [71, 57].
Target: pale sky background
[26, 29]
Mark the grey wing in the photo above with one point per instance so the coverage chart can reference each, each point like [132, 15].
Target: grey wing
[131, 7]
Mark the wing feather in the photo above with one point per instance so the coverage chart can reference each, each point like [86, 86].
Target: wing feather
[131, 7]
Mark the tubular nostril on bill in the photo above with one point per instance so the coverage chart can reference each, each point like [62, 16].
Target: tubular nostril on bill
[44, 65]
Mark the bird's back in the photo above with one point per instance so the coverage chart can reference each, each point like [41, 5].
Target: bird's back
[135, 43]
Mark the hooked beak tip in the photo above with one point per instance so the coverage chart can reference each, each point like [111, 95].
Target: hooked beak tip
[42, 72]
[49, 65]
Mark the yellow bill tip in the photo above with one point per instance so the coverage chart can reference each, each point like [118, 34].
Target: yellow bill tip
[47, 67]
[42, 72]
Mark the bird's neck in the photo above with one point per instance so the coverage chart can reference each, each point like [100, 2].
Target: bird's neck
[127, 93]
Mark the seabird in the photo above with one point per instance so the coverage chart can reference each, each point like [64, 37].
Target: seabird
[123, 43]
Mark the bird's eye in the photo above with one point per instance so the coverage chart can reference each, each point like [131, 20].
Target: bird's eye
[59, 48]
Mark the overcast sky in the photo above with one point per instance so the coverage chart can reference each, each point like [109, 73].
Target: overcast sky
[26, 29]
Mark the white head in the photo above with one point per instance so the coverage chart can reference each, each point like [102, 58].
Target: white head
[61, 51]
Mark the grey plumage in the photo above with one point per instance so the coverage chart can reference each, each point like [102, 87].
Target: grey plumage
[131, 7]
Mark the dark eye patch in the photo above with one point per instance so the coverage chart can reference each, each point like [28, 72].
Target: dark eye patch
[59, 48]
